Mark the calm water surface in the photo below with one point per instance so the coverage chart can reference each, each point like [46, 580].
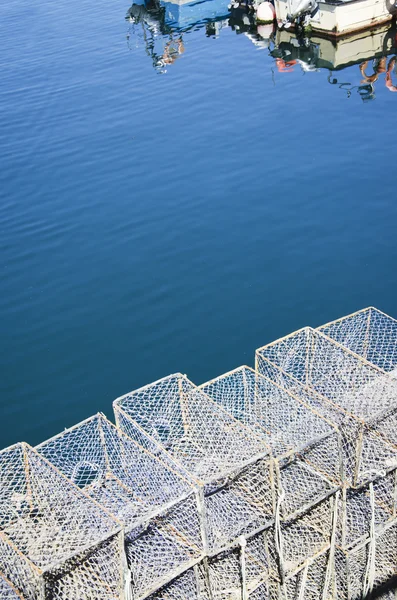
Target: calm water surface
[176, 192]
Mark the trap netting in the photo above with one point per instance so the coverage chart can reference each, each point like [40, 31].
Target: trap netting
[308, 583]
[369, 333]
[268, 559]
[55, 543]
[8, 591]
[186, 586]
[362, 572]
[157, 506]
[363, 569]
[389, 594]
[229, 463]
[305, 447]
[255, 564]
[346, 389]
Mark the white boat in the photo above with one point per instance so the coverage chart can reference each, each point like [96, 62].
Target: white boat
[336, 18]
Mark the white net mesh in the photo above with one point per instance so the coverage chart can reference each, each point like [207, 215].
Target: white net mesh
[346, 389]
[51, 533]
[389, 594]
[8, 591]
[187, 586]
[309, 582]
[222, 455]
[367, 567]
[291, 428]
[370, 333]
[373, 503]
[90, 575]
[157, 506]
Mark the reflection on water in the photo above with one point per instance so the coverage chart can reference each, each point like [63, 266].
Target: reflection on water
[371, 53]
[160, 28]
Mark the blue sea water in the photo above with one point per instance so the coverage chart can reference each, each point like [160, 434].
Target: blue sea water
[176, 192]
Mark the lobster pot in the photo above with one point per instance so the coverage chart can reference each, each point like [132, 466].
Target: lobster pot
[157, 506]
[227, 461]
[305, 447]
[223, 574]
[8, 591]
[367, 567]
[55, 542]
[345, 389]
[369, 333]
[229, 575]
[106, 559]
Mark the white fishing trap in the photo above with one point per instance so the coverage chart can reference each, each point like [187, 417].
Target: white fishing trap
[228, 462]
[308, 449]
[156, 505]
[278, 483]
[279, 492]
[358, 397]
[55, 542]
[306, 461]
[305, 447]
[369, 333]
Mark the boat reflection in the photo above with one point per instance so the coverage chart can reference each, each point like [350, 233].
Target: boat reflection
[161, 28]
[161, 25]
[372, 53]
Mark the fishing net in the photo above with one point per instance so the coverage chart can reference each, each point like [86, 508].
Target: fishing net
[228, 462]
[156, 505]
[353, 394]
[370, 333]
[54, 541]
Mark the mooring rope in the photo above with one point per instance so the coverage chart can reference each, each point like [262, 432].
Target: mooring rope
[331, 558]
[278, 534]
[370, 569]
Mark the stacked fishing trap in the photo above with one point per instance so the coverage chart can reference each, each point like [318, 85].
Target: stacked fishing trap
[278, 483]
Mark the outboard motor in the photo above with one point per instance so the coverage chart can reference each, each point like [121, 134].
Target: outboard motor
[302, 15]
